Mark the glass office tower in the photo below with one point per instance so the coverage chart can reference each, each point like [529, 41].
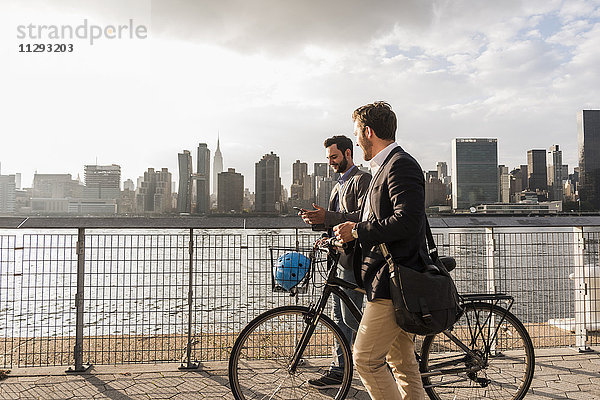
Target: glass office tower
[474, 172]
[588, 131]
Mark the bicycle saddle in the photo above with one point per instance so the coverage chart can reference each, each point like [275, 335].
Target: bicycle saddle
[449, 262]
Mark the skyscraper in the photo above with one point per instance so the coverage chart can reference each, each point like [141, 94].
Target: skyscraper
[503, 184]
[217, 169]
[203, 179]
[474, 172]
[442, 172]
[321, 169]
[129, 185]
[155, 192]
[435, 191]
[302, 189]
[231, 191]
[524, 177]
[7, 194]
[322, 183]
[268, 184]
[536, 170]
[588, 135]
[299, 172]
[102, 181]
[555, 173]
[56, 186]
[184, 193]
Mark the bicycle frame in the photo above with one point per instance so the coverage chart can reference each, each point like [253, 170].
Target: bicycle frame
[334, 285]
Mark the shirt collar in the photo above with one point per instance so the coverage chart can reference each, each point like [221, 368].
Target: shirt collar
[380, 157]
[346, 175]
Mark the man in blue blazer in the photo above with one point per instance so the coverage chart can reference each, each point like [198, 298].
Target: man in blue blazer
[394, 213]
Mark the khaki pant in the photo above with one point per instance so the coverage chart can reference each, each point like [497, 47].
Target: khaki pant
[380, 339]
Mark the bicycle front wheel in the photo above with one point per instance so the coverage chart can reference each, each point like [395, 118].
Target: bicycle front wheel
[498, 339]
[259, 364]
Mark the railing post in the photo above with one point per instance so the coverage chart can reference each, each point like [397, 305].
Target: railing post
[188, 354]
[79, 303]
[580, 290]
[490, 271]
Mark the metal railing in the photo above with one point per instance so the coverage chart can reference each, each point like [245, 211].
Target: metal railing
[97, 296]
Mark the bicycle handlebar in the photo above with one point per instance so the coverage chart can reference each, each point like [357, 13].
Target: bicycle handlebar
[327, 243]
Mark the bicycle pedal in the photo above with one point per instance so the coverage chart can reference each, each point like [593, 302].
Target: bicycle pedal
[483, 382]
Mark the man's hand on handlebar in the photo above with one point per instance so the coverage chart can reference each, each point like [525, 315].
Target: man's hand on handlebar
[329, 243]
[343, 231]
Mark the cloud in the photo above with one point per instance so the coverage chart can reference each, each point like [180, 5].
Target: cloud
[281, 76]
[283, 27]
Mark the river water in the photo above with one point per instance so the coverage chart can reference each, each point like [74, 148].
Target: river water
[137, 281]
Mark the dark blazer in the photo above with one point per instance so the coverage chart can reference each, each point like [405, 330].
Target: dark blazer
[397, 203]
[351, 198]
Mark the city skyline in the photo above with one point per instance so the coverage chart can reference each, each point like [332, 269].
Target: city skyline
[517, 71]
[290, 171]
[479, 180]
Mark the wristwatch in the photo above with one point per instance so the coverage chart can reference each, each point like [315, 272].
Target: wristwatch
[355, 231]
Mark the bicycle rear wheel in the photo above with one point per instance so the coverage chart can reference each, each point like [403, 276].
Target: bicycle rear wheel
[508, 358]
[259, 361]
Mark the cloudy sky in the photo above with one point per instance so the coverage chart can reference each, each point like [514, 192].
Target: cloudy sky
[282, 76]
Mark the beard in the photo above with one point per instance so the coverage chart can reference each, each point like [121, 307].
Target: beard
[341, 167]
[366, 146]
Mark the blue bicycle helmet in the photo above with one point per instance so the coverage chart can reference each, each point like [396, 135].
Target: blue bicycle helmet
[290, 269]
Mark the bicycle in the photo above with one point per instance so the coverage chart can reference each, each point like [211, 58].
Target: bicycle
[486, 354]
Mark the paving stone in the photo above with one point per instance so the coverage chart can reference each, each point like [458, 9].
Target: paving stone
[577, 377]
[112, 394]
[567, 364]
[59, 395]
[185, 396]
[122, 384]
[168, 381]
[140, 388]
[192, 385]
[591, 389]
[539, 383]
[582, 396]
[545, 394]
[167, 395]
[563, 387]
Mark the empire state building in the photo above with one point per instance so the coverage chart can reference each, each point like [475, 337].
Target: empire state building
[217, 168]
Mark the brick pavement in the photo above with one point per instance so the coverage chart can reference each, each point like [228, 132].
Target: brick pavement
[560, 374]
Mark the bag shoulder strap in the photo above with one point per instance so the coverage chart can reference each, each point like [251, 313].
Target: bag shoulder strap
[392, 267]
[432, 248]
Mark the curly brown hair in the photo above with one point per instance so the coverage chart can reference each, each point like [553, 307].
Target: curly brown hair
[380, 117]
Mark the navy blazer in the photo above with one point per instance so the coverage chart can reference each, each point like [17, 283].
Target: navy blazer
[397, 203]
